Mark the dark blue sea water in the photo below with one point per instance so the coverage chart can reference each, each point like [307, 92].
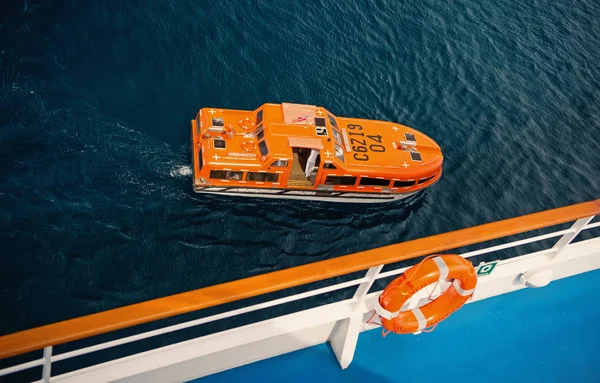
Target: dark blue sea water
[96, 97]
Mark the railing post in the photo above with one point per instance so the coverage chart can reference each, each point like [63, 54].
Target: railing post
[363, 288]
[47, 364]
[564, 241]
[344, 336]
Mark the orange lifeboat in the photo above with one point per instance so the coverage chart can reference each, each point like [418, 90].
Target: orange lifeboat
[431, 270]
[306, 152]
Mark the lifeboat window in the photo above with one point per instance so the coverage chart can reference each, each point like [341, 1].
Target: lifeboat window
[365, 181]
[403, 184]
[320, 121]
[337, 136]
[416, 156]
[423, 180]
[410, 137]
[225, 175]
[261, 132]
[218, 121]
[339, 153]
[280, 163]
[329, 166]
[200, 160]
[263, 148]
[332, 121]
[259, 117]
[263, 177]
[338, 180]
[218, 174]
[219, 144]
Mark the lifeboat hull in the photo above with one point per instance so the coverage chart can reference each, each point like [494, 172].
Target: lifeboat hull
[350, 197]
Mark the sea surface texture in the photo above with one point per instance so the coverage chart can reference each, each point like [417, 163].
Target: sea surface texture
[96, 203]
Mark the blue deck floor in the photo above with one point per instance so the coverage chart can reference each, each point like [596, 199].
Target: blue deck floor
[533, 335]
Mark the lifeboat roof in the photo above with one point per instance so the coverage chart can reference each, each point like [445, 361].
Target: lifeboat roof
[256, 138]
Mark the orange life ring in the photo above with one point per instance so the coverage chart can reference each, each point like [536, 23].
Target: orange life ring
[248, 146]
[246, 123]
[432, 269]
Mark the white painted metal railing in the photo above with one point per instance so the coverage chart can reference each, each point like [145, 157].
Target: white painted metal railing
[364, 285]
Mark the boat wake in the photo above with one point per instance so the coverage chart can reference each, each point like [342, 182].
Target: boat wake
[181, 171]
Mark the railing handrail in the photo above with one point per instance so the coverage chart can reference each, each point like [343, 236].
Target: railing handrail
[140, 313]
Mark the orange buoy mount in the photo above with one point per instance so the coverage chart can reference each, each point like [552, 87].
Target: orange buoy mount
[246, 123]
[432, 269]
[248, 146]
[228, 130]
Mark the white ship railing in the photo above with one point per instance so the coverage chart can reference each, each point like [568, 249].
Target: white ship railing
[47, 336]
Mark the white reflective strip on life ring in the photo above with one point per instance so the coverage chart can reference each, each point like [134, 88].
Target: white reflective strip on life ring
[383, 312]
[420, 319]
[459, 289]
[444, 270]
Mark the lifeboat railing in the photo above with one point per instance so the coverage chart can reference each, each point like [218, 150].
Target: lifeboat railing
[45, 337]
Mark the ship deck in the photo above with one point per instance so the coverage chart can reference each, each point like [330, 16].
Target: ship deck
[535, 335]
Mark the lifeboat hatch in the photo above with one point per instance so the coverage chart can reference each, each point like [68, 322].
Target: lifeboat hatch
[305, 166]
[218, 121]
